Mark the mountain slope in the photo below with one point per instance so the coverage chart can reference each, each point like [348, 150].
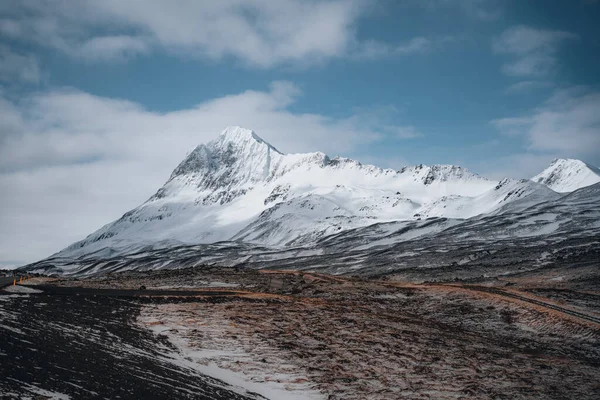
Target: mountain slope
[237, 200]
[239, 188]
[224, 188]
[567, 175]
[507, 195]
[564, 232]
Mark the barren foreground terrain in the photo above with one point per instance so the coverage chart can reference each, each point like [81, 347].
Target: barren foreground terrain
[319, 336]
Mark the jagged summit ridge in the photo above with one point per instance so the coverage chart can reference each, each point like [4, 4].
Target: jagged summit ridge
[441, 172]
[238, 135]
[566, 175]
[234, 144]
[239, 160]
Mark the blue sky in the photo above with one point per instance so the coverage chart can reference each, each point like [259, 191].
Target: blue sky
[100, 100]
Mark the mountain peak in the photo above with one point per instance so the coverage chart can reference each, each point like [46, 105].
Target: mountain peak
[222, 169]
[235, 184]
[237, 133]
[567, 175]
[239, 136]
[566, 161]
[572, 162]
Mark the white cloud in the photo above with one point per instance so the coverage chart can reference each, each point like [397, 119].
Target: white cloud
[519, 166]
[530, 65]
[534, 49]
[573, 126]
[113, 48]
[71, 162]
[404, 132]
[525, 40]
[13, 65]
[374, 49]
[527, 86]
[417, 44]
[484, 10]
[261, 33]
[512, 126]
[568, 124]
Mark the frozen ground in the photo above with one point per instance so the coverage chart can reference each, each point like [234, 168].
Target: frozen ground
[80, 347]
[310, 335]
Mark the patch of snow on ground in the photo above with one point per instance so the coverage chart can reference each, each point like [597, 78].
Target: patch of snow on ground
[8, 297]
[42, 393]
[21, 289]
[272, 387]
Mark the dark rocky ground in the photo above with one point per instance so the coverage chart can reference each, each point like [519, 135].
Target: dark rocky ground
[523, 337]
[87, 347]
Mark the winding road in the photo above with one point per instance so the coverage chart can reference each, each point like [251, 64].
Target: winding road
[516, 296]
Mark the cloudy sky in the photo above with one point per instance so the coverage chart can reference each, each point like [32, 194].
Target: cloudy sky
[99, 100]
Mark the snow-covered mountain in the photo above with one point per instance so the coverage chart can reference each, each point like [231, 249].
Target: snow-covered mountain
[508, 195]
[224, 186]
[240, 188]
[567, 175]
[561, 233]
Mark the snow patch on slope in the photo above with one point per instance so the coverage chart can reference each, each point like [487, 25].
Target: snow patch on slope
[508, 195]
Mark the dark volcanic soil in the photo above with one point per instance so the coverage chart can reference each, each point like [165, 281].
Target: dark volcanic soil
[87, 348]
[353, 338]
[345, 338]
